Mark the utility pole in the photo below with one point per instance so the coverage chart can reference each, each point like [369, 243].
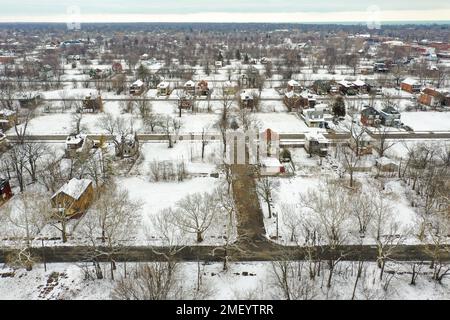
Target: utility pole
[43, 255]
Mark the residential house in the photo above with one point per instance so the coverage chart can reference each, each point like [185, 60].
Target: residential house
[74, 197]
[317, 117]
[380, 67]
[247, 100]
[316, 143]
[370, 117]
[202, 88]
[363, 145]
[385, 164]
[5, 191]
[163, 88]
[137, 88]
[390, 117]
[293, 100]
[410, 85]
[7, 119]
[432, 97]
[78, 144]
[265, 60]
[346, 87]
[92, 103]
[361, 86]
[129, 145]
[271, 167]
[189, 87]
[117, 67]
[293, 85]
[29, 100]
[186, 101]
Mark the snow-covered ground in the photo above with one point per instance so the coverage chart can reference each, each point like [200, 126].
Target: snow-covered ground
[427, 121]
[308, 177]
[243, 280]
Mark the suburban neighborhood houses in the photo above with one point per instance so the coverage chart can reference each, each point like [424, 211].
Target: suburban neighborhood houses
[245, 161]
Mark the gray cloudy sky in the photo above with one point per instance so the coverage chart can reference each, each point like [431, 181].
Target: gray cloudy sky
[202, 10]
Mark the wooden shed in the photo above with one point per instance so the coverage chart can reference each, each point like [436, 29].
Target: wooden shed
[74, 197]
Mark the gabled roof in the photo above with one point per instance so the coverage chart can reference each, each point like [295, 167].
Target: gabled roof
[359, 83]
[410, 81]
[293, 83]
[75, 188]
[345, 83]
[75, 139]
[138, 83]
[370, 111]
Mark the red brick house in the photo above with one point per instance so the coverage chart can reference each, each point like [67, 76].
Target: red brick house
[410, 85]
[431, 97]
[370, 117]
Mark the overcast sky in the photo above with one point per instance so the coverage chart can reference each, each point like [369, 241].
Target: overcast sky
[223, 10]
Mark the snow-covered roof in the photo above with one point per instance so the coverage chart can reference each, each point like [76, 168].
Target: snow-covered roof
[410, 81]
[293, 83]
[246, 96]
[75, 139]
[386, 161]
[138, 83]
[314, 135]
[345, 83]
[359, 83]
[6, 113]
[74, 188]
[321, 107]
[270, 162]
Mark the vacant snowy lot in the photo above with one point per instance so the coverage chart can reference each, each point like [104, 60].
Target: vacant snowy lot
[427, 121]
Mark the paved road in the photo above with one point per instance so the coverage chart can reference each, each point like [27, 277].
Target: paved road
[249, 213]
[266, 251]
[285, 138]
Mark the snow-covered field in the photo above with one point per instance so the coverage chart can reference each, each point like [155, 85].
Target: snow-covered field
[427, 121]
[309, 177]
[243, 280]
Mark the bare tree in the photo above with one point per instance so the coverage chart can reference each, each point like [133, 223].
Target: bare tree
[382, 144]
[171, 128]
[112, 221]
[118, 129]
[385, 230]
[27, 216]
[330, 207]
[362, 209]
[223, 124]
[267, 188]
[290, 278]
[195, 213]
[150, 281]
